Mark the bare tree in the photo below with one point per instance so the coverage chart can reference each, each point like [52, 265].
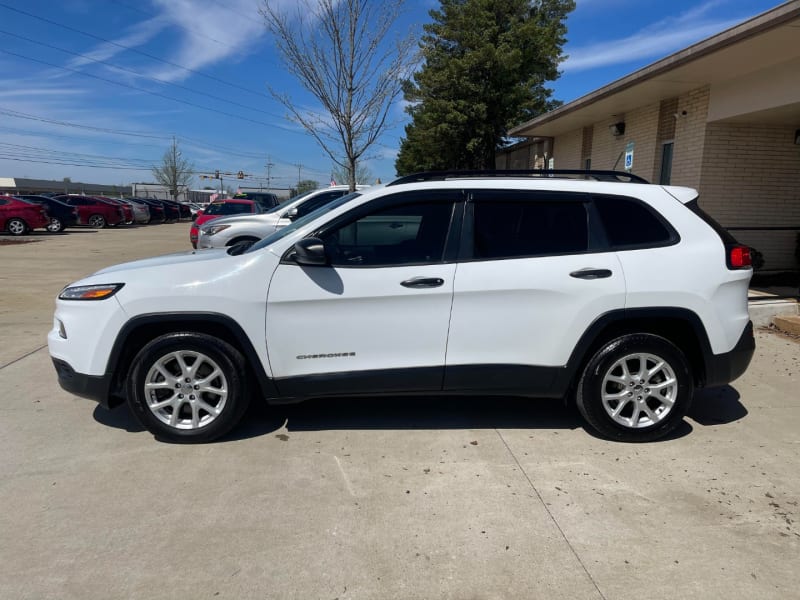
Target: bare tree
[342, 174]
[340, 52]
[174, 172]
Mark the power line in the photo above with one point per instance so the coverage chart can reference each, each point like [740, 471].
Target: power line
[145, 91]
[129, 48]
[139, 74]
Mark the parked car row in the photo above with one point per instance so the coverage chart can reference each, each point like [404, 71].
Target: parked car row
[26, 212]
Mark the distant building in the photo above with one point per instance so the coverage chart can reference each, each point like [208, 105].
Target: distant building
[158, 191]
[21, 185]
[281, 193]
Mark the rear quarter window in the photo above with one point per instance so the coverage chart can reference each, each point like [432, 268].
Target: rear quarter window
[630, 223]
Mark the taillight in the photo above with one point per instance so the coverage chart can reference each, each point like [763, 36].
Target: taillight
[739, 257]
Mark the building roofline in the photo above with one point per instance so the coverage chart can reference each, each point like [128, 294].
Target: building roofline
[765, 21]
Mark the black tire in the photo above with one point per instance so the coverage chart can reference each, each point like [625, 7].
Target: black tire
[16, 226]
[55, 225]
[97, 221]
[667, 406]
[216, 354]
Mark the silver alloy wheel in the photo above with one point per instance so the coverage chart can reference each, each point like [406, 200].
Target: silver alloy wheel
[97, 221]
[639, 390]
[16, 227]
[186, 389]
[54, 226]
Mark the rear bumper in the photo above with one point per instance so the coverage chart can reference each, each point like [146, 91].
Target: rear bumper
[721, 369]
[91, 387]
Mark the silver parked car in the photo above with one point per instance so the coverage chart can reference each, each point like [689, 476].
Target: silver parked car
[141, 212]
[228, 231]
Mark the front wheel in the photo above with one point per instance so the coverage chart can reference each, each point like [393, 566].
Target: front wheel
[55, 225]
[188, 387]
[636, 388]
[16, 226]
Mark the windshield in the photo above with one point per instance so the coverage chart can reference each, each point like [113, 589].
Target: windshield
[301, 222]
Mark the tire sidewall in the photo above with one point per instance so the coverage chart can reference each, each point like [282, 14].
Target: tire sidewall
[589, 398]
[97, 221]
[227, 358]
[56, 224]
[16, 220]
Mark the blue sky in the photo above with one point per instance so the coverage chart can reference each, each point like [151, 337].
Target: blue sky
[217, 54]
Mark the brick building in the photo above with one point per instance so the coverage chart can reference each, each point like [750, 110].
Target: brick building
[721, 116]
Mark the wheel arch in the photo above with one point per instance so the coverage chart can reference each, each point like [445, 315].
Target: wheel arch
[242, 238]
[680, 326]
[140, 330]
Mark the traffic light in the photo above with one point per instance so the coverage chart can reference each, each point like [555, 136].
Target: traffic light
[216, 174]
[240, 175]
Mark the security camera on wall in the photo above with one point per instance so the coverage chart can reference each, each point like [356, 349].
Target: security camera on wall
[617, 129]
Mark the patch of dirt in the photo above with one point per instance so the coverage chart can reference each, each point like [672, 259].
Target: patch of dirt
[15, 241]
[780, 333]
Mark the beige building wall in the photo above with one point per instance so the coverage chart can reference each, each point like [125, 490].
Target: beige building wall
[690, 136]
[751, 178]
[567, 150]
[607, 151]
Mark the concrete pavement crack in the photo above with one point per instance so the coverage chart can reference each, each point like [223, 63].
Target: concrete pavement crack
[550, 514]
[16, 360]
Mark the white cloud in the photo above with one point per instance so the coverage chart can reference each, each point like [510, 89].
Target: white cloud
[657, 40]
[141, 33]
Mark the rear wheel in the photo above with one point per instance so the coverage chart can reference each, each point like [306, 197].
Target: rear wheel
[188, 387]
[16, 226]
[97, 221]
[636, 388]
[55, 225]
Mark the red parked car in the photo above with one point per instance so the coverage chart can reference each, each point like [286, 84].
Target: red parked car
[125, 208]
[95, 212]
[221, 208]
[18, 216]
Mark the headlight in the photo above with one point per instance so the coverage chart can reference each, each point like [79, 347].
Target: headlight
[214, 229]
[90, 292]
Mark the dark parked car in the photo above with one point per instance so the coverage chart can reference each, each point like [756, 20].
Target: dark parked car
[158, 213]
[61, 214]
[185, 209]
[95, 212]
[19, 216]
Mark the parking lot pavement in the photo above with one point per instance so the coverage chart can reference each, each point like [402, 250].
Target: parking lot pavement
[387, 498]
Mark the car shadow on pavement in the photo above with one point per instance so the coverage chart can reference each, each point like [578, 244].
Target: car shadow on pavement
[717, 406]
[710, 407]
[428, 412]
[119, 418]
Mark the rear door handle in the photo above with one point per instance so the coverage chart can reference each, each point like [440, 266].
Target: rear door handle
[591, 274]
[423, 282]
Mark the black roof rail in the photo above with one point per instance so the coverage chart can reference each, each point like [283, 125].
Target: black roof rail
[614, 176]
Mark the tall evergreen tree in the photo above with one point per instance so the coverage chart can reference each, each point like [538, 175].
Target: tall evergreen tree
[486, 65]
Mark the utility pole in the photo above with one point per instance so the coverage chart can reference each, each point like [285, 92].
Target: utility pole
[269, 166]
[299, 166]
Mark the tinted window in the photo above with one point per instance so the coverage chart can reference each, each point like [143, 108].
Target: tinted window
[228, 208]
[519, 228]
[628, 222]
[406, 234]
[317, 201]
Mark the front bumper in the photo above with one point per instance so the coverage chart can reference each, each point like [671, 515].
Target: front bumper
[721, 369]
[91, 387]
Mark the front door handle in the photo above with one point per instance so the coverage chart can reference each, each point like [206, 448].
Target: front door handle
[423, 282]
[591, 274]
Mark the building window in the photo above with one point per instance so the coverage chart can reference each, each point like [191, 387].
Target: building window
[666, 163]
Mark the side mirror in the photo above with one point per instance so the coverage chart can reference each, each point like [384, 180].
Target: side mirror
[311, 252]
[292, 214]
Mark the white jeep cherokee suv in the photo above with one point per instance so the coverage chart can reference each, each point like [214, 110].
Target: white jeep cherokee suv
[622, 297]
[229, 231]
